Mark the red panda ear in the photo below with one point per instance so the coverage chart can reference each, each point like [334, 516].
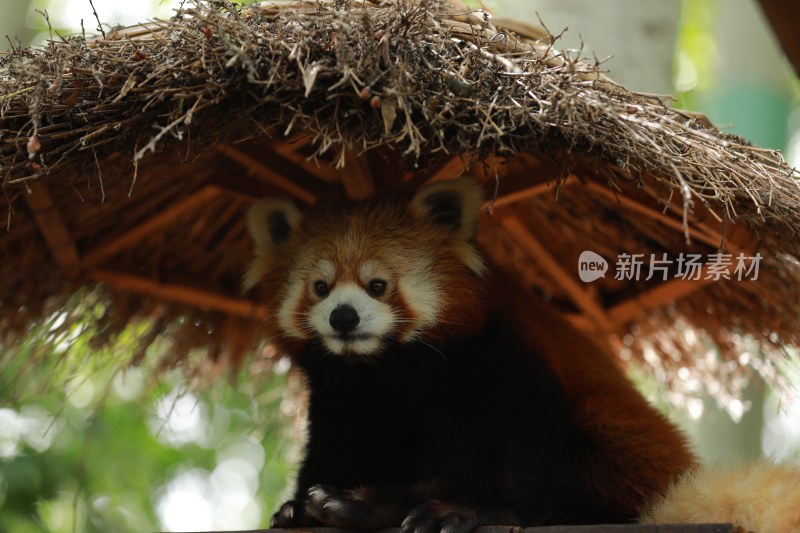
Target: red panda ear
[271, 222]
[453, 204]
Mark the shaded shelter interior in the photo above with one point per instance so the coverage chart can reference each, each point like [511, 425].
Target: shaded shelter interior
[128, 164]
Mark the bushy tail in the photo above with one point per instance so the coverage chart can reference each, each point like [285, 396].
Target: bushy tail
[761, 497]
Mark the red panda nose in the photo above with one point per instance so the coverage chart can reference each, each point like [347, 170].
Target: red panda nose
[344, 318]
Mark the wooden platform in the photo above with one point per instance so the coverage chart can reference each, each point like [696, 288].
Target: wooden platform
[609, 528]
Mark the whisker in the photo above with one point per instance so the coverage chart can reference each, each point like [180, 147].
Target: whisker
[436, 350]
[410, 320]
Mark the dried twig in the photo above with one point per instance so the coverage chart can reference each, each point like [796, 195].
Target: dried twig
[97, 18]
[416, 76]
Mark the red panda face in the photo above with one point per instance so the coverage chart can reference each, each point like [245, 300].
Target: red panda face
[356, 277]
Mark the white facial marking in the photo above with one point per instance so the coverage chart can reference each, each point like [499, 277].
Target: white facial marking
[252, 276]
[287, 319]
[367, 271]
[375, 320]
[326, 270]
[421, 294]
[470, 256]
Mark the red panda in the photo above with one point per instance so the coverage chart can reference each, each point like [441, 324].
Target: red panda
[442, 397]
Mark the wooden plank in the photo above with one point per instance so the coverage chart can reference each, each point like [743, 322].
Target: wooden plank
[735, 237]
[662, 294]
[784, 16]
[529, 192]
[290, 149]
[542, 257]
[240, 189]
[665, 292]
[53, 229]
[603, 528]
[624, 528]
[453, 168]
[109, 249]
[357, 177]
[704, 236]
[302, 178]
[579, 321]
[181, 294]
[741, 239]
[267, 173]
[700, 215]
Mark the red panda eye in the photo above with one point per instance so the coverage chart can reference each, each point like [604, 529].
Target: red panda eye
[321, 288]
[376, 287]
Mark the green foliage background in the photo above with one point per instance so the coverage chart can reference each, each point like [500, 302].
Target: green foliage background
[97, 461]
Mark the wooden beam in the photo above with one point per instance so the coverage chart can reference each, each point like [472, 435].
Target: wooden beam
[653, 214]
[784, 16]
[529, 192]
[580, 321]
[289, 149]
[542, 257]
[737, 238]
[700, 232]
[453, 168]
[743, 239]
[605, 528]
[266, 173]
[500, 254]
[239, 189]
[110, 248]
[357, 177]
[664, 293]
[53, 229]
[179, 293]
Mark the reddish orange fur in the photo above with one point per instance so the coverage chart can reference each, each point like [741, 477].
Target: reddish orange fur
[635, 454]
[642, 453]
[382, 230]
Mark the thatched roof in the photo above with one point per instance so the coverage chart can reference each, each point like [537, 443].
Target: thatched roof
[128, 162]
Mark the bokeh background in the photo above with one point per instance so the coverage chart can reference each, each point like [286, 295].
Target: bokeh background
[87, 444]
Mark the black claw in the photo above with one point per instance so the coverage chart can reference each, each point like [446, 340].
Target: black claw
[438, 517]
[287, 516]
[335, 507]
[459, 523]
[420, 520]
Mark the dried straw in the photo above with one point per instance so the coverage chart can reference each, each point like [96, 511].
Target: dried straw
[425, 78]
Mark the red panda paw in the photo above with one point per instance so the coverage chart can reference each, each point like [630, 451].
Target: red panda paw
[291, 514]
[438, 516]
[435, 516]
[352, 508]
